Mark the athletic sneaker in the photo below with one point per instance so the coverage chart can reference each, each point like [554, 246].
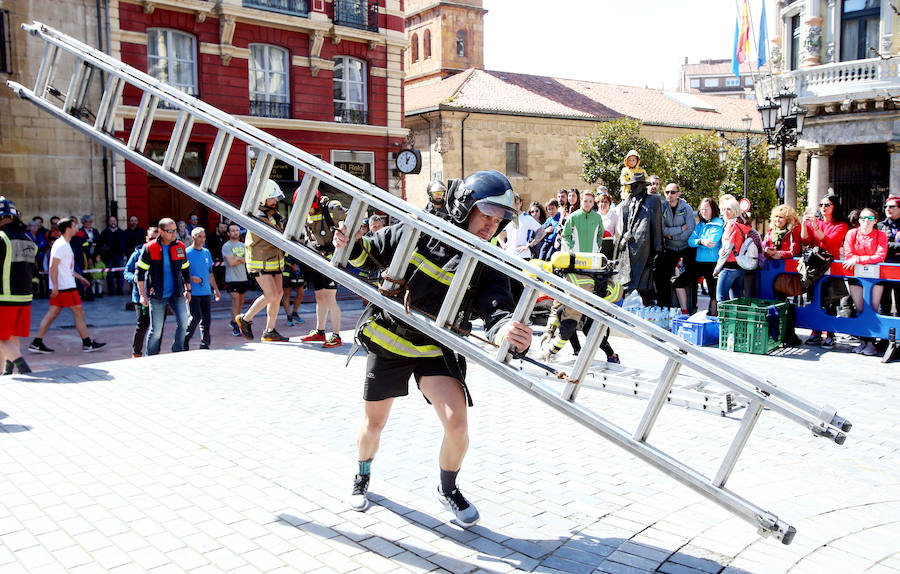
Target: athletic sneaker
[92, 346]
[613, 359]
[870, 350]
[235, 330]
[359, 498]
[274, 336]
[466, 513]
[290, 322]
[815, 339]
[246, 327]
[296, 318]
[314, 337]
[828, 341]
[860, 347]
[39, 348]
[333, 341]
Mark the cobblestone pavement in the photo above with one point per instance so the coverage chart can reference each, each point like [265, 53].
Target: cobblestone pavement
[240, 460]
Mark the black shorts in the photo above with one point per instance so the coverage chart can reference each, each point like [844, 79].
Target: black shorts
[238, 286]
[388, 377]
[292, 281]
[258, 273]
[316, 280]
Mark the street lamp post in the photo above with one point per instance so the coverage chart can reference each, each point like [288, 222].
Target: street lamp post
[782, 121]
[723, 153]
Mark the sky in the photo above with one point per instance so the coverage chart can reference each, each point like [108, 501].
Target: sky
[632, 42]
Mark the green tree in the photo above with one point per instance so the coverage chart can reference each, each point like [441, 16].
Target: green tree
[762, 178]
[604, 153]
[693, 163]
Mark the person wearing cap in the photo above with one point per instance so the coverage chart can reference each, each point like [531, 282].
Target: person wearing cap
[17, 269]
[890, 302]
[265, 262]
[639, 239]
[324, 215]
[479, 204]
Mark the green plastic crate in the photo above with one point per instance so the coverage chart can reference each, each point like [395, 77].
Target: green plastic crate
[743, 321]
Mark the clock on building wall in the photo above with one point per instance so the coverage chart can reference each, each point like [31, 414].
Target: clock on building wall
[409, 161]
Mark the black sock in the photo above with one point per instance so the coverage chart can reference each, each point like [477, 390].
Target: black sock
[365, 467]
[448, 480]
[21, 365]
[86, 341]
[37, 341]
[8, 368]
[320, 331]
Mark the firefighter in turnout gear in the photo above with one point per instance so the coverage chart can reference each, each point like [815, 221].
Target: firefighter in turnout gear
[17, 269]
[395, 351]
[592, 272]
[265, 262]
[324, 215]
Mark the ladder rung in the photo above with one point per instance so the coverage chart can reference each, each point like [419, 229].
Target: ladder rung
[523, 310]
[109, 103]
[737, 444]
[47, 69]
[257, 184]
[218, 158]
[352, 223]
[300, 212]
[143, 120]
[660, 394]
[78, 86]
[402, 256]
[585, 358]
[178, 142]
[459, 286]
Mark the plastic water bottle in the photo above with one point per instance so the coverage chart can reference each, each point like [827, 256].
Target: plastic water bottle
[729, 346]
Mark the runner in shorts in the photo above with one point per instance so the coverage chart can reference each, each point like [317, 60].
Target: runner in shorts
[233, 253]
[63, 293]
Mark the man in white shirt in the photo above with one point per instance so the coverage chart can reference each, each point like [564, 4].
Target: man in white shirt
[518, 237]
[63, 292]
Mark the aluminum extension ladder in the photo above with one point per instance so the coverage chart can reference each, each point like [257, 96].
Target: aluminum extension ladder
[99, 124]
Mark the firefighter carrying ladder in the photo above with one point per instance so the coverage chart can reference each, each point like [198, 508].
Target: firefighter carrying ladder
[99, 124]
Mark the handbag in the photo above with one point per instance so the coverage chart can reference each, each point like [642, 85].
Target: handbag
[813, 265]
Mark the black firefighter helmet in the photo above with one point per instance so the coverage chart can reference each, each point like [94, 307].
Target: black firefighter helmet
[490, 190]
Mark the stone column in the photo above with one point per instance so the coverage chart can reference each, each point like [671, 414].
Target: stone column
[790, 177]
[818, 174]
[812, 35]
[894, 182]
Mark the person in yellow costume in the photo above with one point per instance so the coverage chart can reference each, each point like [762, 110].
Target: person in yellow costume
[632, 167]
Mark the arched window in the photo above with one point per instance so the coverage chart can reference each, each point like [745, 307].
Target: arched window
[172, 58]
[414, 48]
[461, 43]
[349, 90]
[426, 44]
[269, 81]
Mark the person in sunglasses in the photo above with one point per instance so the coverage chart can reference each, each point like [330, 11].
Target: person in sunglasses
[827, 230]
[865, 245]
[891, 227]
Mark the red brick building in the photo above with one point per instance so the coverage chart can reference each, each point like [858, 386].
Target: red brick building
[323, 75]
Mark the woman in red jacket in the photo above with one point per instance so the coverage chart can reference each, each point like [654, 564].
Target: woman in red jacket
[865, 245]
[783, 237]
[827, 230]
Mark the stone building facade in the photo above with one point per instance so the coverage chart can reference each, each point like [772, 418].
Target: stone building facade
[842, 59]
[47, 168]
[445, 38]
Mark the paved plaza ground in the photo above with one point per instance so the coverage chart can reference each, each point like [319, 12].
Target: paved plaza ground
[240, 459]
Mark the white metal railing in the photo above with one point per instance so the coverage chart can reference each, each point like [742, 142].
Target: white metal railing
[856, 79]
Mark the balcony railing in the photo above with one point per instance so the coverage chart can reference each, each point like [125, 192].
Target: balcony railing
[361, 14]
[835, 83]
[265, 109]
[291, 7]
[345, 115]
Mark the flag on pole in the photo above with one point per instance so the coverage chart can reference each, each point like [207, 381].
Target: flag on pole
[735, 65]
[742, 53]
[763, 38]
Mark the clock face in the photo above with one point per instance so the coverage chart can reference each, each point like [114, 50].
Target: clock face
[407, 161]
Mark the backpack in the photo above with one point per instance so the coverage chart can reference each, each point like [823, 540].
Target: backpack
[813, 265]
[748, 258]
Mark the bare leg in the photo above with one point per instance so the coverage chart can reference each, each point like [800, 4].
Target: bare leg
[52, 314]
[369, 437]
[266, 283]
[877, 293]
[449, 401]
[330, 305]
[80, 326]
[274, 300]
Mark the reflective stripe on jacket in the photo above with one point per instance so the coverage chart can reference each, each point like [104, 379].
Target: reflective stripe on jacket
[150, 267]
[262, 256]
[17, 265]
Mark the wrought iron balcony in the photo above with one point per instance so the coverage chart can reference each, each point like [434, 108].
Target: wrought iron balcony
[835, 83]
[345, 115]
[265, 109]
[361, 14]
[291, 7]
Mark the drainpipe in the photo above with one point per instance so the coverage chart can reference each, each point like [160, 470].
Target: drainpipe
[462, 146]
[100, 34]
